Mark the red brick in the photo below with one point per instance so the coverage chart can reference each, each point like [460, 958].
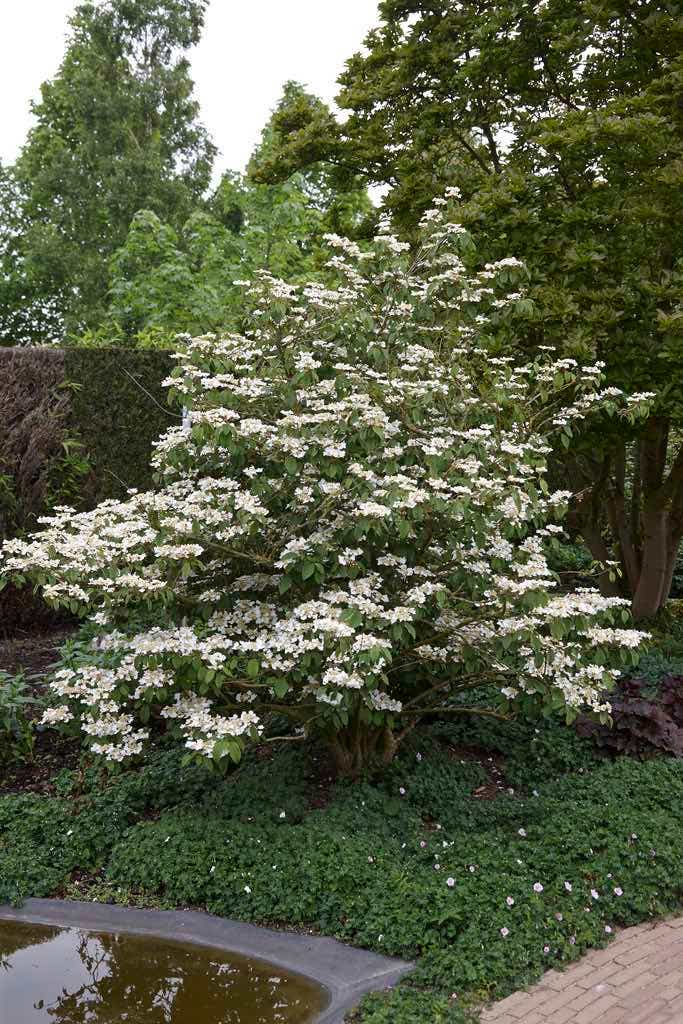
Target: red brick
[617, 1015]
[629, 956]
[558, 1000]
[594, 1012]
[643, 981]
[640, 996]
[557, 980]
[588, 997]
[644, 1014]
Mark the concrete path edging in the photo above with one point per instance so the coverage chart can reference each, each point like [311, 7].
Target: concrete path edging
[347, 973]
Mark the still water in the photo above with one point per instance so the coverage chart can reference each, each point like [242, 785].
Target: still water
[67, 976]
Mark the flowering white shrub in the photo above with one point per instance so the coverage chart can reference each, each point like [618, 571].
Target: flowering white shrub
[350, 527]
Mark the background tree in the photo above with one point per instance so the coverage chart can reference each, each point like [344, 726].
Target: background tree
[116, 131]
[165, 281]
[20, 317]
[561, 124]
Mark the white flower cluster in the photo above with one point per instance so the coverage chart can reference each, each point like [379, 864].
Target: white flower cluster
[352, 522]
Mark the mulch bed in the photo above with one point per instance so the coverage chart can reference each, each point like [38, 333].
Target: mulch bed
[32, 652]
[52, 753]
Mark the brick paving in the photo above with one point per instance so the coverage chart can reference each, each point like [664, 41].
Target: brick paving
[637, 979]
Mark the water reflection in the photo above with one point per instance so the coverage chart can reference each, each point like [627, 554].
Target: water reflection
[66, 976]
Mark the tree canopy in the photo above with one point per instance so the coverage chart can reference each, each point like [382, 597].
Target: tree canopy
[561, 125]
[165, 281]
[116, 131]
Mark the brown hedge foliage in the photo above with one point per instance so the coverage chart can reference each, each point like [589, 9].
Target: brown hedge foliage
[34, 411]
[109, 401]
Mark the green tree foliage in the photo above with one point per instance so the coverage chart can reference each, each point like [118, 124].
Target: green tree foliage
[166, 281]
[561, 124]
[116, 131]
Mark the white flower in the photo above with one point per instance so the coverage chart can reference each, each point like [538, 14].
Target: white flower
[284, 552]
[538, 887]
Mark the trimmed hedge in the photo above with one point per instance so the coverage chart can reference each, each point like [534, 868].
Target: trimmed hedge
[118, 410]
[76, 427]
[33, 416]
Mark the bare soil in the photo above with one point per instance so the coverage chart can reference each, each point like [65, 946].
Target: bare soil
[32, 652]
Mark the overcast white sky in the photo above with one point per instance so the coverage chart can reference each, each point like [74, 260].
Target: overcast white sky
[248, 50]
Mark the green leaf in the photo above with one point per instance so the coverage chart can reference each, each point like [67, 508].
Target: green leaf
[280, 688]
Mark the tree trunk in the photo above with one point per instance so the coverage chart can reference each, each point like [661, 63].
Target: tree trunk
[649, 594]
[360, 747]
[630, 510]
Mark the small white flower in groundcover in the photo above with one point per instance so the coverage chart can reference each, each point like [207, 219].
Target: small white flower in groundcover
[213, 868]
[618, 891]
[572, 940]
[608, 929]
[595, 894]
[505, 932]
[568, 886]
[371, 860]
[402, 791]
[450, 882]
[535, 792]
[283, 814]
[418, 757]
[509, 900]
[247, 889]
[538, 887]
[437, 867]
[472, 868]
[422, 844]
[559, 917]
[546, 949]
[521, 832]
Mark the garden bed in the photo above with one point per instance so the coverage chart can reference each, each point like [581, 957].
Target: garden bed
[415, 865]
[32, 652]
